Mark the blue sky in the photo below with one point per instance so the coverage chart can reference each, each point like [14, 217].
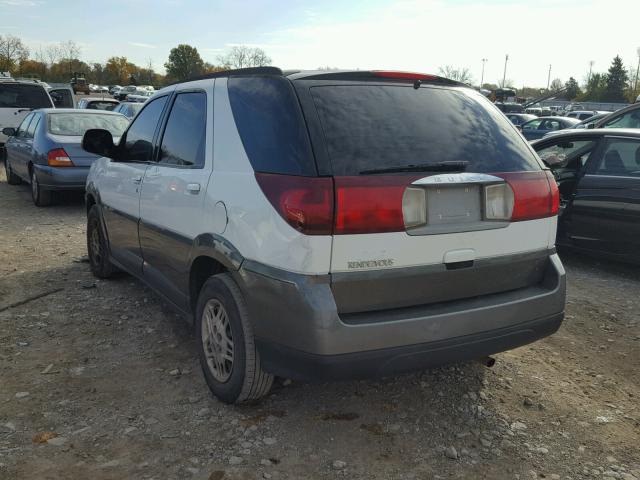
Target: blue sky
[406, 35]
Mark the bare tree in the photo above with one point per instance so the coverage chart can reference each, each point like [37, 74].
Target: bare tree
[556, 84]
[242, 57]
[12, 52]
[53, 54]
[70, 53]
[462, 75]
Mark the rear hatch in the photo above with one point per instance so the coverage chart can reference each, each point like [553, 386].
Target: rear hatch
[17, 100]
[428, 192]
[437, 197]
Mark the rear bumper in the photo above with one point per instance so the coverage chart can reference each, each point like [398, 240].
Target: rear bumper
[300, 333]
[61, 178]
[289, 363]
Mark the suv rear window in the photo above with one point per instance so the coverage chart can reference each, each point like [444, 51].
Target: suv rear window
[271, 126]
[370, 127]
[19, 95]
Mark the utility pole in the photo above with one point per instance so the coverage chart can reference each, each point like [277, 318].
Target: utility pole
[590, 68]
[549, 78]
[504, 76]
[484, 60]
[635, 84]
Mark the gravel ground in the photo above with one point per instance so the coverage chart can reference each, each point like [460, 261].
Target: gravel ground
[100, 380]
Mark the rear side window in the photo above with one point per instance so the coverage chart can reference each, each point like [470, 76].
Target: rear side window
[370, 127]
[19, 95]
[139, 140]
[184, 136]
[268, 117]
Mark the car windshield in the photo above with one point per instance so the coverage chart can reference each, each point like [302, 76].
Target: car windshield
[19, 95]
[372, 127]
[75, 124]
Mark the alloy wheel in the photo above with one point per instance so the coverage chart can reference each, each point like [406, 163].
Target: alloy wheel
[217, 340]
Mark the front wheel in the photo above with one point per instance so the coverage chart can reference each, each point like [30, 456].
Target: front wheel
[40, 196]
[226, 347]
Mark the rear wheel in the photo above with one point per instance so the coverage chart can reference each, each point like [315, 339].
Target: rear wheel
[97, 247]
[226, 347]
[40, 196]
[12, 178]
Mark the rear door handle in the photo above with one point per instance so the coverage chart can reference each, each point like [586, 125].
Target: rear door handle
[137, 179]
[193, 188]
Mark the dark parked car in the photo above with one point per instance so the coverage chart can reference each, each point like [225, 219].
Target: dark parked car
[539, 127]
[598, 175]
[128, 109]
[45, 149]
[520, 118]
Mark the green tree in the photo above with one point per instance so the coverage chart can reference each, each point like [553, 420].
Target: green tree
[595, 89]
[184, 62]
[573, 89]
[617, 79]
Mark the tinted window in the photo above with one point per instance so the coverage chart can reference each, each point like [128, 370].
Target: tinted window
[621, 158]
[184, 136]
[139, 139]
[628, 120]
[268, 117]
[32, 126]
[100, 105]
[62, 98]
[22, 128]
[20, 95]
[368, 127]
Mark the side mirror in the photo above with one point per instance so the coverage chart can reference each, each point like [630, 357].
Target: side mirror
[99, 142]
[9, 131]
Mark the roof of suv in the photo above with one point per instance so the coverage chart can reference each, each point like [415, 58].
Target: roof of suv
[331, 75]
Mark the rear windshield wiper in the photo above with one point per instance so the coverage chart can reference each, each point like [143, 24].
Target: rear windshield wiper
[452, 166]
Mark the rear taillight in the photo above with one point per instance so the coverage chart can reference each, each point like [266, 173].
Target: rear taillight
[306, 203]
[370, 204]
[58, 158]
[535, 194]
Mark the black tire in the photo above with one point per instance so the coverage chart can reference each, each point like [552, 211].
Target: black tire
[246, 381]
[12, 178]
[40, 196]
[97, 247]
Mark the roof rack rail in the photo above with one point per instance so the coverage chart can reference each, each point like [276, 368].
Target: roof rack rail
[237, 71]
[389, 75]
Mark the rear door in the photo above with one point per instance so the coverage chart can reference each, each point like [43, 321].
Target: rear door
[422, 209]
[606, 209]
[16, 148]
[120, 185]
[173, 192]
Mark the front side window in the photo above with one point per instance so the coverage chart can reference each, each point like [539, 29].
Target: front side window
[184, 136]
[551, 125]
[627, 120]
[567, 153]
[22, 128]
[138, 145]
[62, 98]
[620, 157]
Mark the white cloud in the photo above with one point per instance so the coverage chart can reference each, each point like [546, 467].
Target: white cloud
[141, 45]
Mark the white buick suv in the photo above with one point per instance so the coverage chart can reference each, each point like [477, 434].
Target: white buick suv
[330, 224]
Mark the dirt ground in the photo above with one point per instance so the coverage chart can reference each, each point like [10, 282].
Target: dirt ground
[112, 373]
